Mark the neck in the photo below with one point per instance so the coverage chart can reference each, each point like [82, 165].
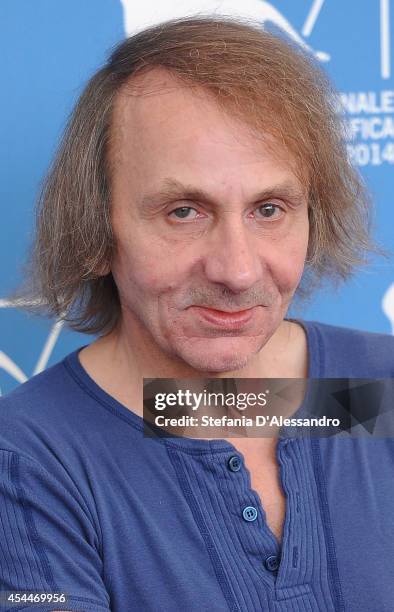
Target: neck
[119, 367]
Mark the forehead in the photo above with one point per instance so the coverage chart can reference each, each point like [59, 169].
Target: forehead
[160, 123]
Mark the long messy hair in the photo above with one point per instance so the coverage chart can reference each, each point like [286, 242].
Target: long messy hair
[263, 79]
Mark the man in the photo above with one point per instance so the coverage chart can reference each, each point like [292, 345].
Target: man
[201, 185]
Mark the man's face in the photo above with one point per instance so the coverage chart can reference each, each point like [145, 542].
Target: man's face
[205, 216]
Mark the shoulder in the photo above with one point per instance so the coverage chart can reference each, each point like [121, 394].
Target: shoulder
[36, 394]
[41, 413]
[347, 352]
[62, 414]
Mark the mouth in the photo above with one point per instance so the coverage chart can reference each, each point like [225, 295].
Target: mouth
[224, 318]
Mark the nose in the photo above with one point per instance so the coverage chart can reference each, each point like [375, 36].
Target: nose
[231, 257]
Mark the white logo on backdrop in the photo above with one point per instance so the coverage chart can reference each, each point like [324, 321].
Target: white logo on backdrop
[370, 123]
[9, 366]
[388, 305]
[385, 42]
[139, 15]
[370, 113]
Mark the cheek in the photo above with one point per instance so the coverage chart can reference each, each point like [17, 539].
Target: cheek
[287, 266]
[291, 272]
[143, 271]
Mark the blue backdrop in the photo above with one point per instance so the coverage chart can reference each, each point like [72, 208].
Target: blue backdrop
[49, 49]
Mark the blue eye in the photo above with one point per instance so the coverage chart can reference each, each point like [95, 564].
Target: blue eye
[269, 210]
[182, 212]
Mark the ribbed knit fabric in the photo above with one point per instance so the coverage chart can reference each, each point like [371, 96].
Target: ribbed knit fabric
[91, 508]
[244, 546]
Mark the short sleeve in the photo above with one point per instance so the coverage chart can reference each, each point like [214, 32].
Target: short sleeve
[48, 542]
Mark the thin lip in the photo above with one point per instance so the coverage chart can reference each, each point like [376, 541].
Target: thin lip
[225, 311]
[225, 320]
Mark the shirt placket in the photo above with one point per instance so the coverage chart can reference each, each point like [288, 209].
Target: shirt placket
[278, 576]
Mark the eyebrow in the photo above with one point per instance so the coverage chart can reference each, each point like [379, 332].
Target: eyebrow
[172, 189]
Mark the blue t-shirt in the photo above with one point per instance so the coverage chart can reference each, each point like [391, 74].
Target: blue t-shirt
[91, 508]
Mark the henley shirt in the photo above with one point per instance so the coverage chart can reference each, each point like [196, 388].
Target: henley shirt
[92, 508]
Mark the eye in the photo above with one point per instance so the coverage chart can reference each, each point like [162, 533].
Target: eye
[183, 212]
[270, 211]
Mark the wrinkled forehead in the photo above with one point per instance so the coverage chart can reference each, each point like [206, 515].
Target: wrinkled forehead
[158, 106]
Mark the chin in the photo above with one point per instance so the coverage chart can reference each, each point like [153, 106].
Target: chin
[229, 357]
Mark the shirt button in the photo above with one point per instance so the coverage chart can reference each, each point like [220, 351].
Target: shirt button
[234, 463]
[249, 513]
[272, 563]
